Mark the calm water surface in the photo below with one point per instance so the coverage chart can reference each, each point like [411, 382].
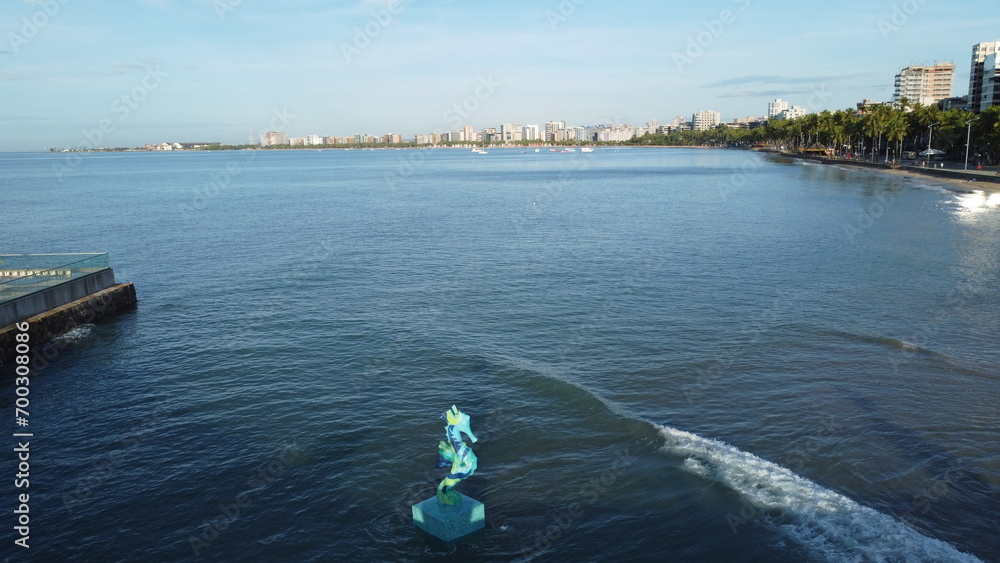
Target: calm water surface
[667, 354]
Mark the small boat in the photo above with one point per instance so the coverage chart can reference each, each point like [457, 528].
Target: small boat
[536, 150]
[587, 149]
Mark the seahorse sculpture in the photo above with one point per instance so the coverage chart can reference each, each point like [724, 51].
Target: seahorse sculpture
[456, 453]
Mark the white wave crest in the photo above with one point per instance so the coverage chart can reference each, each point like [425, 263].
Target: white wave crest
[827, 523]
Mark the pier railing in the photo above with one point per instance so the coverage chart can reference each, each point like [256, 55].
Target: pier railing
[24, 274]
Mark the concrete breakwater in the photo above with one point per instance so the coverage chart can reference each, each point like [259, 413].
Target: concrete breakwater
[47, 295]
[46, 326]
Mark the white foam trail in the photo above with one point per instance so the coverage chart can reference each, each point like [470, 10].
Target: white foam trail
[827, 523]
[76, 335]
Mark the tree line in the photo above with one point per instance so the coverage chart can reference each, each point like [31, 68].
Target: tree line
[879, 132]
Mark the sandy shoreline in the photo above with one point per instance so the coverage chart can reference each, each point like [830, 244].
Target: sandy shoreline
[963, 184]
[953, 184]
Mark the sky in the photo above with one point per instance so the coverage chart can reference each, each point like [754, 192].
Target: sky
[132, 72]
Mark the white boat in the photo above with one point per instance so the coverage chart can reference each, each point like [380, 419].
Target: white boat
[587, 149]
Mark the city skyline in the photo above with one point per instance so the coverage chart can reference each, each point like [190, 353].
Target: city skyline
[193, 70]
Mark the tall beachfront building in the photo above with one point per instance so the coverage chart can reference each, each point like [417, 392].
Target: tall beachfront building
[980, 51]
[704, 120]
[552, 129]
[925, 85]
[269, 138]
[775, 108]
[991, 88]
[510, 132]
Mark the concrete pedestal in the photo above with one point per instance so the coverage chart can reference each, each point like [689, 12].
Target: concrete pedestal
[449, 523]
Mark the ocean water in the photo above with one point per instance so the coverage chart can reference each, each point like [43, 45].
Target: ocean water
[667, 355]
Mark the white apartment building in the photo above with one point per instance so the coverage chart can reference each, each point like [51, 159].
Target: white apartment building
[510, 132]
[792, 113]
[269, 138]
[704, 120]
[552, 129]
[775, 108]
[530, 133]
[925, 85]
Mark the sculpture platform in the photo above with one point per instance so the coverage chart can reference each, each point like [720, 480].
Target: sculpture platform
[450, 523]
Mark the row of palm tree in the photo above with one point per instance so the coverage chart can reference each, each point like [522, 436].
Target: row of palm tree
[880, 132]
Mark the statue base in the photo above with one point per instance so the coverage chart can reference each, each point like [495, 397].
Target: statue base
[450, 523]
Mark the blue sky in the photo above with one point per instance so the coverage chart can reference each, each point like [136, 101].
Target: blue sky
[207, 70]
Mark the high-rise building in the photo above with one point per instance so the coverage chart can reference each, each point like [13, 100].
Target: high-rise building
[991, 88]
[530, 133]
[552, 129]
[925, 85]
[468, 133]
[775, 108]
[704, 120]
[269, 138]
[510, 132]
[979, 53]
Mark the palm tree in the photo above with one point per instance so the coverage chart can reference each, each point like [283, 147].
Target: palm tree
[896, 129]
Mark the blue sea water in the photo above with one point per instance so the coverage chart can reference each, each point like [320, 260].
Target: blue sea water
[667, 354]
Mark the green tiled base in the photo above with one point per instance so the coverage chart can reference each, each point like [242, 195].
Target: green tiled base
[449, 523]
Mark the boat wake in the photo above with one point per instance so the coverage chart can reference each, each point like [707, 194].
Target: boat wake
[826, 523]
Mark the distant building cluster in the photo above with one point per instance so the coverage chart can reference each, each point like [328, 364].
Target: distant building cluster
[550, 132]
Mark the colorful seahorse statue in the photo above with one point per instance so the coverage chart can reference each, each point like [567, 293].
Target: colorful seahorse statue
[455, 453]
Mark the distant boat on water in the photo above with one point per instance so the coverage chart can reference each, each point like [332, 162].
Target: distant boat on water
[587, 149]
